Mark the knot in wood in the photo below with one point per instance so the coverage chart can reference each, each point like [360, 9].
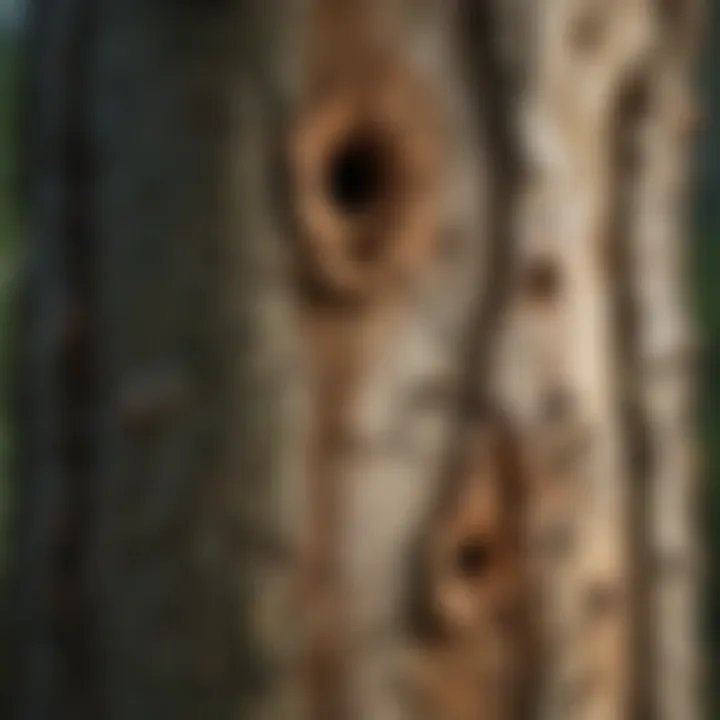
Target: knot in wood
[364, 166]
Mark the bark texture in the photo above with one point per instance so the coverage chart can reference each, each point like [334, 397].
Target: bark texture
[355, 380]
[155, 265]
[660, 115]
[599, 227]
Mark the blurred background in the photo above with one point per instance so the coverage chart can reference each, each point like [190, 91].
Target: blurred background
[706, 245]
[706, 241]
[11, 23]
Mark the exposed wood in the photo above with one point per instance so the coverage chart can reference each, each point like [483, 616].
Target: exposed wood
[557, 363]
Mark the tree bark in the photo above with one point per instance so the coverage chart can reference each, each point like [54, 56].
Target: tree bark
[660, 126]
[350, 380]
[157, 378]
[562, 361]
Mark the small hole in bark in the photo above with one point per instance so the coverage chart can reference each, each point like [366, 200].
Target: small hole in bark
[357, 174]
[473, 557]
[542, 279]
[586, 32]
[635, 101]
[557, 406]
[604, 598]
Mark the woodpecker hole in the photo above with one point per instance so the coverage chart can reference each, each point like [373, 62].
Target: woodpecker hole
[358, 171]
[542, 280]
[473, 557]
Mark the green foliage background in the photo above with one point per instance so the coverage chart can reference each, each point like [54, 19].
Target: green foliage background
[706, 285]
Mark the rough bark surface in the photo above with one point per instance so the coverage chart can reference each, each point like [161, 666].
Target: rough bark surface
[557, 366]
[284, 257]
[660, 124]
[606, 412]
[402, 406]
[163, 438]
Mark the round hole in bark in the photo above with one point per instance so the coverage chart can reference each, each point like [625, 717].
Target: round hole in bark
[542, 279]
[357, 174]
[635, 100]
[473, 556]
[586, 31]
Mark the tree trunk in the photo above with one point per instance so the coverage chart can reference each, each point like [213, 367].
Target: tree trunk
[660, 126]
[157, 381]
[345, 333]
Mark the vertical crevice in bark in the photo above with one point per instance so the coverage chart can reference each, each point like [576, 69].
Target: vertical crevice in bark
[474, 417]
[474, 24]
[493, 78]
[405, 405]
[366, 178]
[633, 104]
[470, 638]
[665, 350]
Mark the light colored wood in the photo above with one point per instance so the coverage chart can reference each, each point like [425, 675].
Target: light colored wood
[239, 435]
[557, 363]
